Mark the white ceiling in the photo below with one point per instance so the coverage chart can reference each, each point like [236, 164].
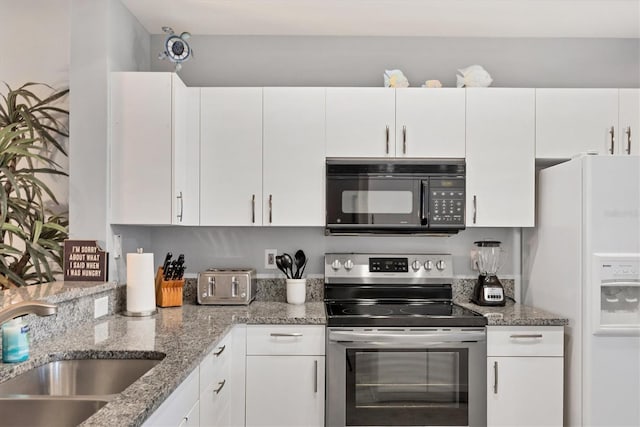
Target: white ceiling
[436, 18]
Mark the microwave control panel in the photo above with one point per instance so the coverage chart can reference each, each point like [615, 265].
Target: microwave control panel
[446, 202]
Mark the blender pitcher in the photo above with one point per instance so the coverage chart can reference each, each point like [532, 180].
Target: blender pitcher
[489, 258]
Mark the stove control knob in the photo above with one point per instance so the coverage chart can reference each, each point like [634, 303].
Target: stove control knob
[348, 265]
[336, 264]
[428, 265]
[416, 265]
[440, 265]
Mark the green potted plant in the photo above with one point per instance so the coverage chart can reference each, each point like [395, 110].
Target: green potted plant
[32, 130]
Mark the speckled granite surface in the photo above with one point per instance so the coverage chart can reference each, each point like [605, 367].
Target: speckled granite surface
[184, 334]
[463, 288]
[54, 292]
[514, 314]
[267, 290]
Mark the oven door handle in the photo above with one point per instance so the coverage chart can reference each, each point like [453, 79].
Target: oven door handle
[414, 339]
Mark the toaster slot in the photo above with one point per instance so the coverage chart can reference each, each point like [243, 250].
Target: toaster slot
[211, 286]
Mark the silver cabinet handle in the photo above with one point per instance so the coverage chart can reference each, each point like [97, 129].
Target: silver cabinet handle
[526, 336]
[253, 208]
[612, 133]
[628, 133]
[282, 334]
[179, 197]
[270, 208]
[221, 384]
[315, 376]
[404, 139]
[495, 377]
[219, 352]
[184, 422]
[475, 208]
[387, 137]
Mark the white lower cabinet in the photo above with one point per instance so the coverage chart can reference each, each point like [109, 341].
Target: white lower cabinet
[180, 408]
[285, 376]
[525, 376]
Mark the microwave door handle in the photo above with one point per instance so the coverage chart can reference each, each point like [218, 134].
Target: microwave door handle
[424, 205]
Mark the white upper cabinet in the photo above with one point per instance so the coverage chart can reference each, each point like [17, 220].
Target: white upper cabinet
[360, 122]
[430, 122]
[573, 121]
[500, 157]
[231, 156]
[294, 156]
[151, 123]
[629, 129]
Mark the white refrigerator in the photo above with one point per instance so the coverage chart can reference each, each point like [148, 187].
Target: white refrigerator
[582, 261]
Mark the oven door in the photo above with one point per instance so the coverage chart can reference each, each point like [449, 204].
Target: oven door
[406, 377]
[360, 202]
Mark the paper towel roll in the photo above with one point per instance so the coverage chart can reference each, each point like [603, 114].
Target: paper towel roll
[141, 295]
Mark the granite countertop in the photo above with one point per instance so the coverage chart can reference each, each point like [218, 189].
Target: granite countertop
[515, 314]
[185, 335]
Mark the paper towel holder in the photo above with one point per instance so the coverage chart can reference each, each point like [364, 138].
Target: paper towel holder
[142, 313]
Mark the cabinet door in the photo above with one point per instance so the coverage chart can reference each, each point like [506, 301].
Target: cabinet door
[360, 122]
[141, 148]
[180, 408]
[629, 129]
[573, 121]
[430, 123]
[524, 391]
[500, 157]
[186, 153]
[293, 175]
[285, 391]
[231, 156]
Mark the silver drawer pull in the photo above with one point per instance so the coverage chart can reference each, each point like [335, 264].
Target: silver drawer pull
[315, 376]
[526, 336]
[495, 377]
[219, 352]
[281, 334]
[221, 384]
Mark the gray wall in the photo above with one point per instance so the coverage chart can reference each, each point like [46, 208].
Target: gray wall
[361, 61]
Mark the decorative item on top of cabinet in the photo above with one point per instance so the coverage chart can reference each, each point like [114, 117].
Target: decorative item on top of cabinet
[500, 160]
[513, 354]
[473, 76]
[395, 79]
[154, 149]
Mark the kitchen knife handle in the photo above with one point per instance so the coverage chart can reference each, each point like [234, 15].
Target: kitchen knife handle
[475, 208]
[315, 376]
[387, 137]
[628, 133]
[495, 377]
[253, 208]
[179, 197]
[612, 133]
[404, 139]
[270, 208]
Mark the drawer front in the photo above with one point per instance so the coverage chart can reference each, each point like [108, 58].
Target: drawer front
[525, 341]
[216, 366]
[285, 340]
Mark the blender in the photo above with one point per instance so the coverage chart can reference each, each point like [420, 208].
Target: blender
[488, 289]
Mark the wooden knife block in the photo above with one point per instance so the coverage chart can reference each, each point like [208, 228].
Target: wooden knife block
[168, 292]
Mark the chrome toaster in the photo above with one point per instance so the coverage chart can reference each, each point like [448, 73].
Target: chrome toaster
[227, 286]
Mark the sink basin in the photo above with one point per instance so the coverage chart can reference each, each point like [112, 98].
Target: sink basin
[88, 377]
[35, 412]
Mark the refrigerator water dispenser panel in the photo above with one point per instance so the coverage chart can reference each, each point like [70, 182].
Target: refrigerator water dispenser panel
[616, 302]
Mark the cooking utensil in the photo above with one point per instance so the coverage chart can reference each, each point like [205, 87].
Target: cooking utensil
[300, 260]
[287, 262]
[281, 267]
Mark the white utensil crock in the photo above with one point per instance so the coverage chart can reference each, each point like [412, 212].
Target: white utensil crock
[296, 290]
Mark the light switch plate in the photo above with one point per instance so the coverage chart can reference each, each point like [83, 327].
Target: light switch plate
[101, 307]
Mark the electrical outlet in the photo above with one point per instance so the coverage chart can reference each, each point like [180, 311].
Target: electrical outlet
[270, 258]
[100, 307]
[117, 246]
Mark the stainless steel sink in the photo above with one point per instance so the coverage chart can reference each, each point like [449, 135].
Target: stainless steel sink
[36, 412]
[86, 377]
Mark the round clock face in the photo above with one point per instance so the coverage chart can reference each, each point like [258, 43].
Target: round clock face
[177, 49]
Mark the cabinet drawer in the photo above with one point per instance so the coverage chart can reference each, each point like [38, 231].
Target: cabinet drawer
[216, 366]
[285, 340]
[525, 341]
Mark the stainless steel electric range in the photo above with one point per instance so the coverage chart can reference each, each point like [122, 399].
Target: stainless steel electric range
[399, 351]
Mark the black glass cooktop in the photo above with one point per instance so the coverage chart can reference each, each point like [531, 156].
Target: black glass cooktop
[433, 313]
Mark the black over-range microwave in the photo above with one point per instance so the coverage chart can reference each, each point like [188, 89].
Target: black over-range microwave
[395, 196]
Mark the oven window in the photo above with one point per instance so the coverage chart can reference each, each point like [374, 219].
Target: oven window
[401, 387]
[377, 202]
